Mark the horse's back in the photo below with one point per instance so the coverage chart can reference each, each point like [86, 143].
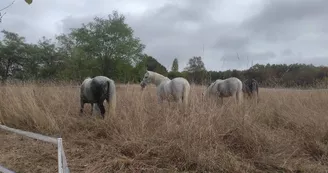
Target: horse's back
[180, 80]
[179, 84]
[99, 87]
[229, 86]
[85, 82]
[100, 79]
[212, 88]
[234, 82]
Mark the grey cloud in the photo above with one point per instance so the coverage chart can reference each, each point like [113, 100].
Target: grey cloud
[281, 29]
[27, 20]
[191, 10]
[263, 55]
[176, 31]
[24, 28]
[244, 60]
[287, 19]
[232, 42]
[315, 60]
[286, 52]
[72, 22]
[247, 56]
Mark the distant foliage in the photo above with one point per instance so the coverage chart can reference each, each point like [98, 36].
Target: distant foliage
[153, 65]
[195, 64]
[28, 2]
[175, 65]
[107, 46]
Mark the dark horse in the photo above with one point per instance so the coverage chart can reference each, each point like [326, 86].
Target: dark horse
[97, 90]
[251, 88]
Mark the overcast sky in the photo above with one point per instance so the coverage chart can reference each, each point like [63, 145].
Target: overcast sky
[260, 31]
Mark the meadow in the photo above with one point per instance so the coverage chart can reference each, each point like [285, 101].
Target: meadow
[287, 131]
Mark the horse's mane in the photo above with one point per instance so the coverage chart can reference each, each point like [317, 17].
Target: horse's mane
[157, 74]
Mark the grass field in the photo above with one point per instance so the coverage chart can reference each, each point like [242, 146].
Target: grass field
[286, 132]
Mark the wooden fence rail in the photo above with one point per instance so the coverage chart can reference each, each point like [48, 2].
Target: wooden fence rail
[62, 162]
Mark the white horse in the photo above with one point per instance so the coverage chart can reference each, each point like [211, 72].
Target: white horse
[178, 87]
[97, 90]
[225, 88]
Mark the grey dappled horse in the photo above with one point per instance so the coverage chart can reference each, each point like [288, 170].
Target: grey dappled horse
[97, 90]
[225, 88]
[251, 88]
[178, 87]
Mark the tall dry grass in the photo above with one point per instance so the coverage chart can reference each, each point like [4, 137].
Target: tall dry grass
[286, 132]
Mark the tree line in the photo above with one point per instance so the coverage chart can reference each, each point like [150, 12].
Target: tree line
[107, 46]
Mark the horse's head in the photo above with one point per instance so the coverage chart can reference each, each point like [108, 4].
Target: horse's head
[146, 80]
[143, 85]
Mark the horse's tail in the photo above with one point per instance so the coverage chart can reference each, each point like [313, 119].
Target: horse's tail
[111, 89]
[256, 88]
[240, 93]
[244, 86]
[186, 91]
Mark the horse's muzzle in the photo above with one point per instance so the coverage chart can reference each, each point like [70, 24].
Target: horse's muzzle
[143, 85]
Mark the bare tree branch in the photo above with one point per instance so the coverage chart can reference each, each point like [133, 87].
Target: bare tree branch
[8, 5]
[1, 15]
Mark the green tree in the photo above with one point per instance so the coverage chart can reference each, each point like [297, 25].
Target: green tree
[175, 65]
[50, 60]
[108, 46]
[195, 64]
[153, 65]
[196, 70]
[32, 63]
[12, 50]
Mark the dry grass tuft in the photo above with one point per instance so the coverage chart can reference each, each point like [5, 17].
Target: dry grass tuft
[286, 132]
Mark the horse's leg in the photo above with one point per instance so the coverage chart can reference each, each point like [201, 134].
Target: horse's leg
[160, 99]
[237, 97]
[234, 95]
[176, 98]
[102, 109]
[256, 97]
[219, 101]
[82, 107]
[91, 108]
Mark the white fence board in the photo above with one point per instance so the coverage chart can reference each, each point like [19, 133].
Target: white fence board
[30, 134]
[62, 162]
[5, 170]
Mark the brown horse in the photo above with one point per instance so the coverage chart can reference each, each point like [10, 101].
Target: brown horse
[251, 88]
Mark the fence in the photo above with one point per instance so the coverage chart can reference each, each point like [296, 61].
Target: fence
[62, 163]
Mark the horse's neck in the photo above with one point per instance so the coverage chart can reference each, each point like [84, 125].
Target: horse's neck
[209, 89]
[214, 86]
[159, 79]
